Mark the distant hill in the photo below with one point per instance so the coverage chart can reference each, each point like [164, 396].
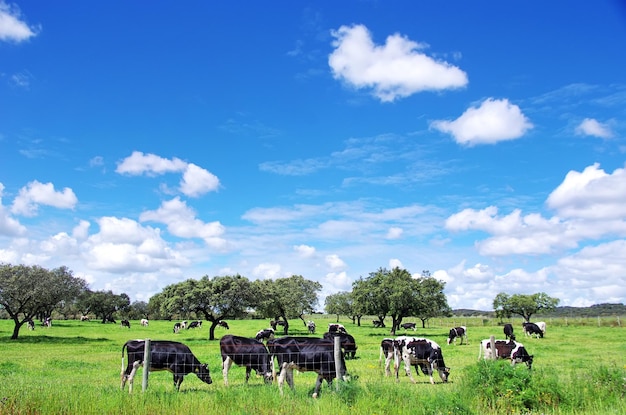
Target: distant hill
[605, 309]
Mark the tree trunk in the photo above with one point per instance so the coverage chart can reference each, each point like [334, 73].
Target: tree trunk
[16, 329]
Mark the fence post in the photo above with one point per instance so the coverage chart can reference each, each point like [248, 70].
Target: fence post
[338, 367]
[492, 340]
[146, 365]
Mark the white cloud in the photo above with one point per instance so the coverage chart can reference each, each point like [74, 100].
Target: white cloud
[304, 251]
[394, 233]
[36, 193]
[197, 181]
[267, 271]
[590, 126]
[591, 194]
[181, 221]
[8, 225]
[334, 262]
[491, 122]
[139, 163]
[12, 27]
[394, 70]
[81, 231]
[395, 263]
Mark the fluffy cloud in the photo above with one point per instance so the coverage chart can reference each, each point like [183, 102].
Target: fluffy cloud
[304, 251]
[590, 126]
[36, 193]
[491, 122]
[334, 262]
[394, 70]
[12, 27]
[197, 181]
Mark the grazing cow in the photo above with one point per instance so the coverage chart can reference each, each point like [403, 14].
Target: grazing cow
[172, 356]
[377, 323]
[194, 324]
[144, 322]
[386, 349]
[47, 322]
[422, 352]
[177, 327]
[264, 334]
[508, 331]
[305, 354]
[348, 344]
[250, 353]
[460, 332]
[336, 327]
[506, 350]
[223, 324]
[532, 328]
[84, 318]
[542, 326]
[31, 324]
[125, 323]
[275, 323]
[311, 327]
[409, 326]
[183, 324]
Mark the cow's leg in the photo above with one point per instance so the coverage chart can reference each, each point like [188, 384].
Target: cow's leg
[318, 385]
[388, 364]
[248, 370]
[431, 370]
[178, 379]
[131, 377]
[225, 368]
[281, 377]
[407, 369]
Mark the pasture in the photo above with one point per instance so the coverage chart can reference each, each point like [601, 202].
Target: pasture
[74, 367]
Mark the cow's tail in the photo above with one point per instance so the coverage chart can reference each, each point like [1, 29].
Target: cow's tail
[380, 356]
[123, 349]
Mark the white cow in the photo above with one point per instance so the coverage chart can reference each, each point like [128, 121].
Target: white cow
[144, 322]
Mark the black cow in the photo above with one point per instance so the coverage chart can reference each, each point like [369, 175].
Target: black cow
[386, 349]
[408, 326]
[306, 354]
[532, 328]
[311, 327]
[31, 324]
[506, 350]
[250, 353]
[125, 323]
[422, 352]
[223, 324]
[177, 327]
[377, 323]
[508, 331]
[172, 356]
[264, 334]
[275, 323]
[194, 324]
[348, 344]
[460, 332]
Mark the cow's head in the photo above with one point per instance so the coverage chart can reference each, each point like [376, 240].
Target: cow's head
[268, 377]
[202, 371]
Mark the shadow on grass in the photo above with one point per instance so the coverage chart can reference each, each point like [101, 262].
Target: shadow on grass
[54, 340]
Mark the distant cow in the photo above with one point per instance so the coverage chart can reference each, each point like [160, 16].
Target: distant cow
[275, 323]
[84, 318]
[47, 322]
[144, 322]
[250, 353]
[336, 327]
[177, 327]
[174, 357]
[194, 324]
[31, 324]
[310, 325]
[460, 332]
[422, 352]
[542, 326]
[510, 349]
[377, 323]
[532, 328]
[508, 331]
[125, 323]
[409, 326]
[386, 350]
[348, 344]
[264, 334]
[223, 324]
[306, 354]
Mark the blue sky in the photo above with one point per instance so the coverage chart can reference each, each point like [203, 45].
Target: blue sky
[142, 145]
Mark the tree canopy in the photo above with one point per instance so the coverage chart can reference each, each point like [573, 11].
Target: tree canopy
[339, 303]
[30, 291]
[523, 305]
[105, 304]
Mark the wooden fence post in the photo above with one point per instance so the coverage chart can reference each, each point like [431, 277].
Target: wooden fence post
[146, 365]
[492, 340]
[338, 367]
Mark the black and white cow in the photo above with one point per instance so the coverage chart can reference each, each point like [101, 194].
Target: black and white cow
[174, 357]
[386, 350]
[336, 328]
[305, 354]
[542, 326]
[194, 324]
[377, 323]
[422, 352]
[47, 322]
[84, 318]
[31, 324]
[144, 322]
[409, 326]
[510, 349]
[310, 325]
[275, 323]
[532, 328]
[508, 331]
[265, 334]
[250, 353]
[460, 332]
[177, 327]
[223, 324]
[125, 323]
[348, 344]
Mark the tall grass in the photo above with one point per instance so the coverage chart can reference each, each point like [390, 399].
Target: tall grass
[74, 368]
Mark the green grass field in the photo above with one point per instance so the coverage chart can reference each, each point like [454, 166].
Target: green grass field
[74, 368]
